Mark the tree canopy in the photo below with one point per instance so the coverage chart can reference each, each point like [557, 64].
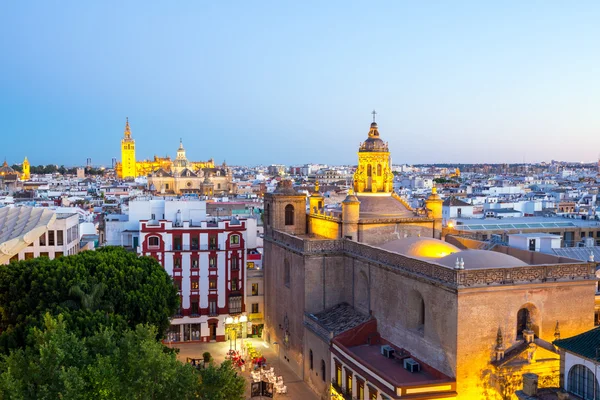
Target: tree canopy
[87, 327]
[107, 287]
[107, 365]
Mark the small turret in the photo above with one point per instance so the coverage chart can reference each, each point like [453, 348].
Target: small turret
[315, 200]
[433, 204]
[350, 216]
[499, 345]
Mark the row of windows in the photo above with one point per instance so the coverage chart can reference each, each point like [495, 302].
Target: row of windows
[370, 170]
[212, 283]
[212, 262]
[360, 384]
[56, 238]
[154, 241]
[195, 308]
[235, 306]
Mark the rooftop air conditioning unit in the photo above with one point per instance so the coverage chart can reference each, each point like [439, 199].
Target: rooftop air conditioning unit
[387, 351]
[411, 365]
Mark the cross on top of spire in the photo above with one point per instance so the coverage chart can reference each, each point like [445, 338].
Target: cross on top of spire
[374, 114]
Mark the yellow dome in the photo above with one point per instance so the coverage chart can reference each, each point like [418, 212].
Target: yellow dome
[421, 247]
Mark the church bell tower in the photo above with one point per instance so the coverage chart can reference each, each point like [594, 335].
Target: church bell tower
[128, 165]
[26, 170]
[374, 174]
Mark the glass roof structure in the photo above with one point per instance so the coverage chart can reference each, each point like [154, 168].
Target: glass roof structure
[506, 226]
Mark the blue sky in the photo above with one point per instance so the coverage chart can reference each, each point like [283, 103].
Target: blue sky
[295, 82]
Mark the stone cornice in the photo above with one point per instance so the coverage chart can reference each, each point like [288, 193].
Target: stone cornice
[436, 273]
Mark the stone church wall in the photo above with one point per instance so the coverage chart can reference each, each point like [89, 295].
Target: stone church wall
[395, 300]
[482, 310]
[284, 309]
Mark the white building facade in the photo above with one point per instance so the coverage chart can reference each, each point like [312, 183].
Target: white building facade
[206, 258]
[61, 239]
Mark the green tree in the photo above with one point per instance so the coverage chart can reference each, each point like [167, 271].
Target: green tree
[221, 383]
[107, 287]
[91, 301]
[57, 364]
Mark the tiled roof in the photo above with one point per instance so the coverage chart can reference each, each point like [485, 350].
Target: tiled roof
[454, 202]
[340, 318]
[382, 207]
[584, 344]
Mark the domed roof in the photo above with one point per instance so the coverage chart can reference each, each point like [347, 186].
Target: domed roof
[477, 259]
[421, 247]
[5, 169]
[373, 142]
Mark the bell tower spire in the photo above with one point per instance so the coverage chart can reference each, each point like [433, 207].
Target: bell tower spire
[128, 164]
[127, 129]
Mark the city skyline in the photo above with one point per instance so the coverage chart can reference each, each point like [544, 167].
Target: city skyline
[288, 84]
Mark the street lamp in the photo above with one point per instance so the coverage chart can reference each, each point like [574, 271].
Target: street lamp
[243, 320]
[229, 322]
[232, 323]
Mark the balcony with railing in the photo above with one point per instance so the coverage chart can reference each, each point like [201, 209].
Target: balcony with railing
[187, 247]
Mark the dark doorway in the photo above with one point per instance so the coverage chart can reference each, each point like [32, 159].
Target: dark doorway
[522, 318]
[213, 331]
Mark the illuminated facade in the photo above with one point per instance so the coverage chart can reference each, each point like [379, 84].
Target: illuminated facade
[128, 163]
[373, 174]
[481, 318]
[26, 175]
[182, 178]
[130, 168]
[374, 213]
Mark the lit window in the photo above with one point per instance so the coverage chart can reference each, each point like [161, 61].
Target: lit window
[235, 239]
[195, 285]
[212, 284]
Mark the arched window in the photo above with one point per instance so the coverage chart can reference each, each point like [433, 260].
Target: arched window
[522, 318]
[323, 370]
[369, 170]
[378, 169]
[289, 214]
[286, 273]
[583, 383]
[416, 314]
[153, 241]
[310, 359]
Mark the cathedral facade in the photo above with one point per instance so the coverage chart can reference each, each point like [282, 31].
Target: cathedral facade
[130, 168]
[185, 178]
[479, 318]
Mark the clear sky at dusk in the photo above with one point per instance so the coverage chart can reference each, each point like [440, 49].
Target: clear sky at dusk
[291, 82]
